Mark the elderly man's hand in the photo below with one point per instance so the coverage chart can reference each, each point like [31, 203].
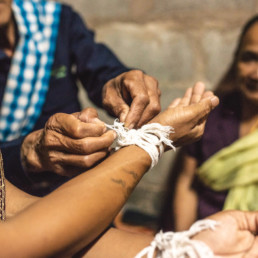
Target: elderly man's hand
[188, 115]
[235, 236]
[133, 97]
[67, 144]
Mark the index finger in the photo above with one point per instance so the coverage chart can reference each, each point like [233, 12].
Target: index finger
[140, 100]
[154, 107]
[198, 91]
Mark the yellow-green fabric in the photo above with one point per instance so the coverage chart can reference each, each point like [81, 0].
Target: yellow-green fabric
[235, 168]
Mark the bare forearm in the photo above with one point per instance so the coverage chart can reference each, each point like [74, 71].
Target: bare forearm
[84, 206]
[17, 200]
[185, 205]
[117, 243]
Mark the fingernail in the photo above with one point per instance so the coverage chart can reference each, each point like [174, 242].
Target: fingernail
[131, 126]
[201, 83]
[122, 117]
[214, 101]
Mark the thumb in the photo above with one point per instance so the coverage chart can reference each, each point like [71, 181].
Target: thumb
[214, 101]
[89, 115]
[205, 106]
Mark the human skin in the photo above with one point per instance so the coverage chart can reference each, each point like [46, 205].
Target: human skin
[246, 81]
[5, 12]
[7, 37]
[80, 143]
[247, 65]
[66, 222]
[70, 143]
[234, 237]
[133, 97]
[75, 214]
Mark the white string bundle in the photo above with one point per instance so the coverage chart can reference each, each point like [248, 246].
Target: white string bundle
[150, 137]
[179, 244]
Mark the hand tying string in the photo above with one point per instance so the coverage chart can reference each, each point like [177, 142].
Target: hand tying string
[150, 137]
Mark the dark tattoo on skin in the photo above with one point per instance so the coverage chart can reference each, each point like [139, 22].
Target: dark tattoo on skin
[119, 181]
[128, 189]
[133, 174]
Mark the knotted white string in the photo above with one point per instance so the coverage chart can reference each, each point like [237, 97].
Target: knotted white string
[179, 244]
[150, 137]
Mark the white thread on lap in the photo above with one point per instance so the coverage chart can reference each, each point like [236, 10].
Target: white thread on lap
[179, 244]
[150, 137]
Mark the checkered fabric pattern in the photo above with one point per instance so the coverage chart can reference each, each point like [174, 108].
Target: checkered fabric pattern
[30, 71]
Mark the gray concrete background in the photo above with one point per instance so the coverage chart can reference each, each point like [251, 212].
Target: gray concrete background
[178, 42]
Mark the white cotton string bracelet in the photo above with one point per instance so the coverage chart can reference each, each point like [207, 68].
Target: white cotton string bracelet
[179, 244]
[150, 137]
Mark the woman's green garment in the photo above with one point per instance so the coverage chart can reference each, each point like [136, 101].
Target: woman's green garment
[235, 168]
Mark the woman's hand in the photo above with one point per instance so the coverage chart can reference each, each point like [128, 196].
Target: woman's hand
[235, 236]
[188, 115]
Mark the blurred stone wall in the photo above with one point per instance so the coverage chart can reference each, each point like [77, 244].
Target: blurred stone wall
[178, 42]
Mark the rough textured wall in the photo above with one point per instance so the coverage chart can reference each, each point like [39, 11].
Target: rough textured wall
[178, 42]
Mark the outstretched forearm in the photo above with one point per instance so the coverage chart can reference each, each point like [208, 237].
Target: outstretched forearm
[72, 216]
[75, 214]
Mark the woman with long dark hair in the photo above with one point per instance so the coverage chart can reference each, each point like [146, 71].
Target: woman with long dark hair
[221, 170]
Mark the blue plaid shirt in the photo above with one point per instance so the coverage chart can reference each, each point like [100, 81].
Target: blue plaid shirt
[95, 65]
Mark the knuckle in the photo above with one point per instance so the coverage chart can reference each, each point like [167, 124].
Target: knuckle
[154, 81]
[155, 108]
[49, 139]
[137, 73]
[159, 92]
[129, 82]
[53, 161]
[58, 169]
[52, 121]
[84, 147]
[88, 162]
[135, 76]
[77, 130]
[52, 157]
[143, 98]
[91, 111]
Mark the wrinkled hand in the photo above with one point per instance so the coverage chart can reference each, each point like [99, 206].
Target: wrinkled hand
[188, 115]
[133, 97]
[67, 144]
[236, 235]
